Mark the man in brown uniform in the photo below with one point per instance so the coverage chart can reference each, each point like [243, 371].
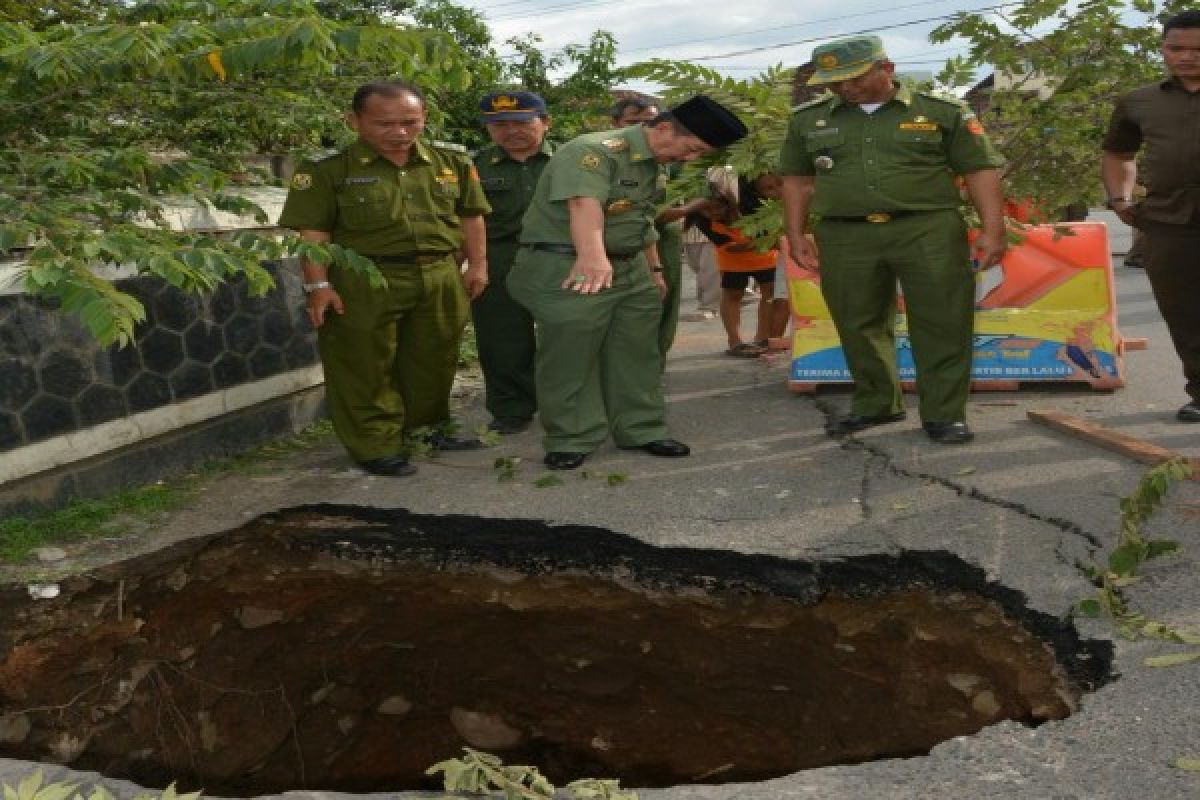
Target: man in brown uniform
[410, 206]
[1165, 116]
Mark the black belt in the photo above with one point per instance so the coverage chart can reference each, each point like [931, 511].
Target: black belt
[410, 260]
[569, 250]
[877, 218]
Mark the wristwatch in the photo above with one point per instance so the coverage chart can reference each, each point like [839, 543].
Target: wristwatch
[312, 287]
[1114, 200]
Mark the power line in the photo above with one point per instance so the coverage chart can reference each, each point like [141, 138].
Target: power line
[783, 27]
[812, 39]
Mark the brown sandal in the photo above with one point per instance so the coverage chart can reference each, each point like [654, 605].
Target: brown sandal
[745, 350]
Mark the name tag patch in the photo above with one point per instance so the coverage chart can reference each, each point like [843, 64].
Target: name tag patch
[629, 182]
[359, 180]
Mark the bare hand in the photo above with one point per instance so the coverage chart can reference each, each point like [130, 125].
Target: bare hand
[804, 253]
[660, 283]
[475, 280]
[989, 248]
[589, 279]
[319, 303]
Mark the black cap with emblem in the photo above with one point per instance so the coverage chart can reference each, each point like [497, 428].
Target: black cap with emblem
[709, 121]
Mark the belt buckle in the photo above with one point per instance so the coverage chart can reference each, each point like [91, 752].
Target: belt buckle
[878, 217]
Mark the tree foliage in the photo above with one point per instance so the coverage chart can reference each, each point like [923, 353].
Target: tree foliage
[104, 122]
[1085, 54]
[763, 103]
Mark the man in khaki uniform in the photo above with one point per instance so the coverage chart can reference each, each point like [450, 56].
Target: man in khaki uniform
[589, 273]
[410, 206]
[509, 169]
[876, 163]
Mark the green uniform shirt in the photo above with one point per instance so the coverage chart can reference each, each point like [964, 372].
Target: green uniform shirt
[903, 157]
[377, 208]
[614, 167]
[509, 186]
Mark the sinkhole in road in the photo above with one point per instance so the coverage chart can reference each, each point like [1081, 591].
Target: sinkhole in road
[342, 648]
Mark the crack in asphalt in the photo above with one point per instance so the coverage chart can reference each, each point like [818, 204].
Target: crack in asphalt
[970, 492]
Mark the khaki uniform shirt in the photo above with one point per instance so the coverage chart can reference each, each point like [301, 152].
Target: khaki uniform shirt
[614, 167]
[509, 186]
[376, 208]
[1166, 118]
[903, 157]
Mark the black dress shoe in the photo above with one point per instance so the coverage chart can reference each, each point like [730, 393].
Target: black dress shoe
[444, 442]
[948, 432]
[506, 426]
[666, 448]
[860, 422]
[1189, 413]
[564, 460]
[395, 466]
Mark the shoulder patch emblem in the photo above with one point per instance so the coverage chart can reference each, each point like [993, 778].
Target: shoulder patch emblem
[619, 207]
[974, 126]
[301, 181]
[590, 161]
[617, 145]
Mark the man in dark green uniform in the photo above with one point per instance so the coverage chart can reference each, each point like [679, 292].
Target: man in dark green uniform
[668, 224]
[411, 206]
[589, 273]
[509, 169]
[877, 164]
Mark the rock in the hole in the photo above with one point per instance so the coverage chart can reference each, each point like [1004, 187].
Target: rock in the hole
[65, 748]
[252, 617]
[49, 554]
[14, 728]
[485, 731]
[395, 706]
[986, 704]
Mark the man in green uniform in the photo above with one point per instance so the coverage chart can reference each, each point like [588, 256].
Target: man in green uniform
[509, 169]
[589, 273]
[668, 224]
[877, 164]
[411, 206]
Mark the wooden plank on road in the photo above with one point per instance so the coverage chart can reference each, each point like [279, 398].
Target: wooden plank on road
[1129, 446]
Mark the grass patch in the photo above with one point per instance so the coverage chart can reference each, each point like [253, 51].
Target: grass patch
[121, 512]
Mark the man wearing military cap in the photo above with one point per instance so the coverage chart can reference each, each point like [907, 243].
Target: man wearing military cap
[876, 162]
[509, 169]
[589, 273]
[411, 206]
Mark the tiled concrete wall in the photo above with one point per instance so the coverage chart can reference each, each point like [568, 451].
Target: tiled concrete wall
[54, 378]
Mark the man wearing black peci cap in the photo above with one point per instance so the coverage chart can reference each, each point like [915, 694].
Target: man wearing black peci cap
[589, 273]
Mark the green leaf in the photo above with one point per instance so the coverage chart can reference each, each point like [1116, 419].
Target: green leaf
[1160, 547]
[1188, 763]
[1091, 607]
[548, 480]
[1172, 660]
[1124, 560]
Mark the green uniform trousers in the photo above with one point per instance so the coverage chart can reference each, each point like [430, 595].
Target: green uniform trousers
[1172, 261]
[505, 339]
[597, 357]
[928, 254]
[670, 253]
[390, 359]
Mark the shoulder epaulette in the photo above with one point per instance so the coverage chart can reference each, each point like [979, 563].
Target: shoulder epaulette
[457, 148]
[816, 101]
[949, 100]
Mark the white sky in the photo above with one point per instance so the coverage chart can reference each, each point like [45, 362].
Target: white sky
[671, 29]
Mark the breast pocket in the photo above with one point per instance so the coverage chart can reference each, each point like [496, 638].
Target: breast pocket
[920, 140]
[445, 196]
[364, 209]
[820, 141]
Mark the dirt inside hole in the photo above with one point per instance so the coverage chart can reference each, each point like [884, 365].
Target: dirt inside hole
[313, 650]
